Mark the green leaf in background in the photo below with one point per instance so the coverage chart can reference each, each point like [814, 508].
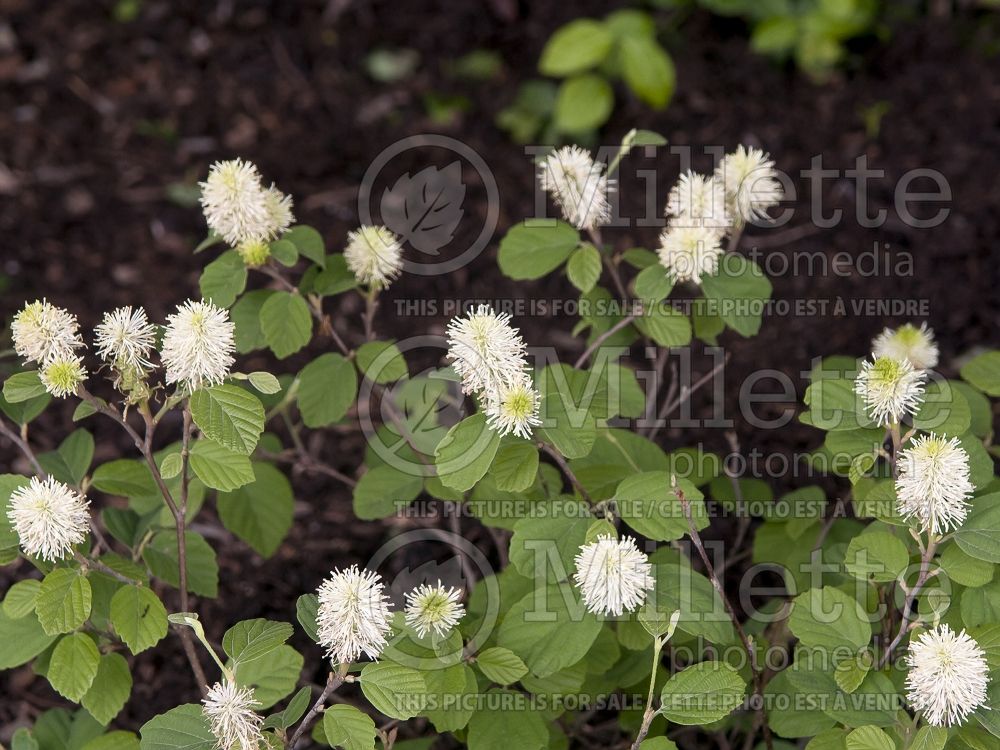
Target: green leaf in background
[110, 689]
[252, 639]
[308, 242]
[877, 555]
[117, 739]
[979, 536]
[20, 598]
[347, 727]
[286, 323]
[23, 639]
[648, 70]
[139, 617]
[264, 382]
[465, 454]
[583, 103]
[666, 326]
[536, 247]
[501, 665]
[69, 463]
[285, 253]
[381, 361]
[306, 607]
[229, 415]
[259, 513]
[515, 466]
[246, 317]
[22, 386]
[503, 723]
[393, 689]
[125, 477]
[739, 291]
[335, 278]
[930, 738]
[202, 569]
[74, 666]
[292, 712]
[649, 504]
[653, 284]
[24, 411]
[384, 491]
[64, 601]
[546, 547]
[828, 618]
[584, 267]
[224, 279]
[327, 387]
[273, 676]
[984, 372]
[963, 568]
[869, 738]
[943, 410]
[181, 728]
[575, 47]
[218, 467]
[702, 693]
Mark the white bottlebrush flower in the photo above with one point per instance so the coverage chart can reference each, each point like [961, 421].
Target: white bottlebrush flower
[690, 252]
[279, 211]
[198, 345]
[433, 608]
[232, 719]
[891, 389]
[235, 204]
[49, 518]
[908, 342]
[485, 351]
[353, 615]
[750, 180]
[578, 185]
[947, 677]
[375, 255]
[513, 408]
[614, 575]
[42, 331]
[63, 375]
[698, 200]
[933, 484]
[125, 338]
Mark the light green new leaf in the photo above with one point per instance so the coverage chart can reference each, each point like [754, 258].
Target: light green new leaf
[381, 361]
[394, 689]
[139, 617]
[877, 555]
[579, 45]
[181, 728]
[220, 468]
[984, 372]
[501, 665]
[583, 103]
[252, 639]
[828, 618]
[20, 599]
[347, 727]
[229, 415]
[869, 738]
[224, 279]
[515, 466]
[702, 693]
[584, 267]
[273, 676]
[648, 71]
[110, 690]
[286, 323]
[327, 387]
[465, 454]
[74, 666]
[384, 491]
[536, 247]
[259, 513]
[64, 601]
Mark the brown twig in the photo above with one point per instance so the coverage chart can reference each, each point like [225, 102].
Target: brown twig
[22, 444]
[911, 595]
[333, 681]
[684, 395]
[581, 360]
[561, 463]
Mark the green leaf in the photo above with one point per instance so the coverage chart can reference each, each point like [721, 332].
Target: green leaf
[829, 618]
[501, 665]
[220, 468]
[982, 371]
[306, 607]
[961, 567]
[139, 617]
[74, 666]
[245, 315]
[64, 601]
[125, 477]
[285, 253]
[252, 639]
[327, 387]
[308, 242]
[930, 738]
[381, 361]
[944, 410]
[648, 70]
[335, 278]
[202, 569]
[547, 546]
[657, 743]
[878, 555]
[23, 639]
[259, 513]
[229, 415]
[393, 689]
[347, 727]
[70, 462]
[583, 103]
[24, 411]
[181, 728]
[653, 284]
[869, 738]
[515, 466]
[979, 536]
[464, 454]
[570, 401]
[171, 466]
[384, 491]
[273, 676]
[22, 386]
[264, 382]
[110, 690]
[503, 724]
[293, 711]
[118, 739]
[702, 693]
[739, 291]
[666, 326]
[549, 629]
[20, 599]
[224, 279]
[536, 247]
[286, 323]
[575, 47]
[584, 267]
[649, 504]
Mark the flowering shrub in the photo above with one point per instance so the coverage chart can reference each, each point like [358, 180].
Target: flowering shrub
[601, 617]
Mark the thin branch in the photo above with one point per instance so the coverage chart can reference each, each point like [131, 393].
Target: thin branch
[333, 681]
[581, 360]
[23, 446]
[685, 393]
[922, 577]
[561, 463]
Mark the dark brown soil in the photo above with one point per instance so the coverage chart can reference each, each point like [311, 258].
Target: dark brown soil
[100, 118]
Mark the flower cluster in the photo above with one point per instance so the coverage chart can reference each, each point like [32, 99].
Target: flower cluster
[49, 337]
[354, 615]
[374, 255]
[933, 484]
[242, 211]
[890, 388]
[578, 185]
[198, 345]
[491, 358]
[916, 345]
[948, 676]
[703, 209]
[613, 575]
[49, 518]
[232, 719]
